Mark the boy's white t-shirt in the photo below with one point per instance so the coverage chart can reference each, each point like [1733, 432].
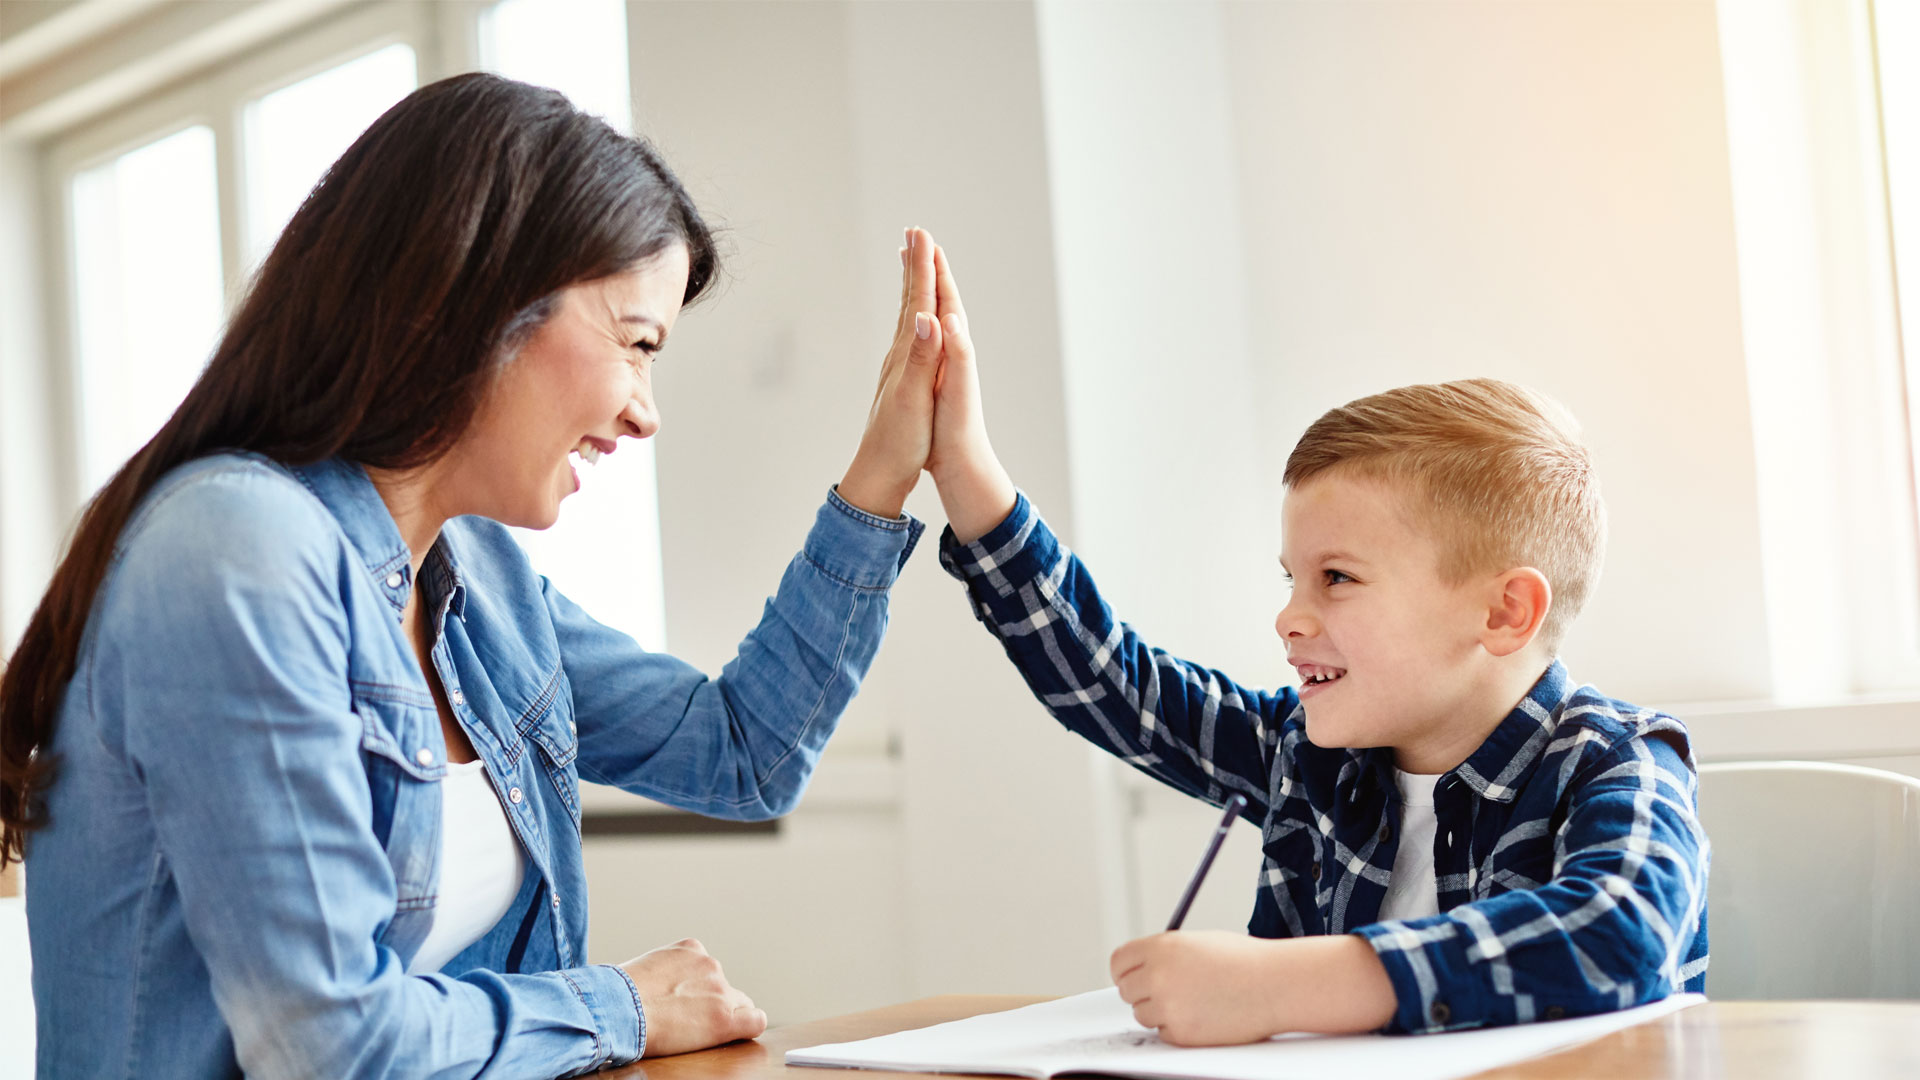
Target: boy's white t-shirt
[1413, 891]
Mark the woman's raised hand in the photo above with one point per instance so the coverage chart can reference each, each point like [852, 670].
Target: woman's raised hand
[899, 433]
[974, 488]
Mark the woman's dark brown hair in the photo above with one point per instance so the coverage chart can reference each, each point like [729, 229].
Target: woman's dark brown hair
[425, 255]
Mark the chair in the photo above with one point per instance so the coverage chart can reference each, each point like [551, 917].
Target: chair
[16, 992]
[1814, 890]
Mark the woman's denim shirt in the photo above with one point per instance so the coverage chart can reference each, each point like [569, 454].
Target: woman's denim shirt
[245, 828]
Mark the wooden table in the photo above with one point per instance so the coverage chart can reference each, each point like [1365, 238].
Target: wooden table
[1739, 1040]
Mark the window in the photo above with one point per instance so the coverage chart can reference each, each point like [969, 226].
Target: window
[293, 134]
[1820, 145]
[605, 551]
[147, 291]
[1896, 39]
[171, 203]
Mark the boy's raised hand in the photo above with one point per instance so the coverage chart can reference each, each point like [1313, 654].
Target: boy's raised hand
[974, 488]
[1213, 988]
[899, 433]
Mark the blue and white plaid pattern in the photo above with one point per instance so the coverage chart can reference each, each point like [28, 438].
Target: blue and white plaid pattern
[1570, 861]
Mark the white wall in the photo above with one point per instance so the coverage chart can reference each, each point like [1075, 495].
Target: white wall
[1537, 192]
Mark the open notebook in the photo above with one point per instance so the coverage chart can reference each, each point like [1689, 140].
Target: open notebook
[1095, 1033]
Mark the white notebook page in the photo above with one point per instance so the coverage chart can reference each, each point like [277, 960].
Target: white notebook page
[1095, 1032]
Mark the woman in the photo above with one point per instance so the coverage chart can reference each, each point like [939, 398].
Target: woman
[292, 744]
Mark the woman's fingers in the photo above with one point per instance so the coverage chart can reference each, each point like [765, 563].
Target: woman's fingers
[920, 270]
[923, 352]
[906, 286]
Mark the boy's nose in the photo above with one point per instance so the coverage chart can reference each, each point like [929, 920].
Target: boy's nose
[1290, 624]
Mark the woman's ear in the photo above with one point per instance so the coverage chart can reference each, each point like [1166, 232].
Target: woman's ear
[1521, 599]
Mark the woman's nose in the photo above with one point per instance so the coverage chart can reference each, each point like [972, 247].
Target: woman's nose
[641, 418]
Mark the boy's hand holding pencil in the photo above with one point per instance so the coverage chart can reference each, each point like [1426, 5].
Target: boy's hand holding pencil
[1215, 987]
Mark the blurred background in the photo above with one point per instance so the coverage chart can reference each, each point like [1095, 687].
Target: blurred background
[1183, 230]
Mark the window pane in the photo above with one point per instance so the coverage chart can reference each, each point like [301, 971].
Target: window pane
[605, 551]
[1897, 39]
[147, 292]
[578, 47]
[294, 133]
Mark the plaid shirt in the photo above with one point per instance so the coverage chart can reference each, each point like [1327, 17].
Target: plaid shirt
[1571, 866]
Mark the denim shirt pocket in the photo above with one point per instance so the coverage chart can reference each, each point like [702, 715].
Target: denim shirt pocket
[554, 732]
[398, 742]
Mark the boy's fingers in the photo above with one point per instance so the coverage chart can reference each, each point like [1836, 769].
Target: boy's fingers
[959, 345]
[946, 288]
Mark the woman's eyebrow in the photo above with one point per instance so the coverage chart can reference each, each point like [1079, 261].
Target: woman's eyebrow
[642, 319]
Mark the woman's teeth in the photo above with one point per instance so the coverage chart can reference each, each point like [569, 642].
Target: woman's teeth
[588, 452]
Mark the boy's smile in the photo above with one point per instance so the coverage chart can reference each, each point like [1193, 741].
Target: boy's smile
[1389, 652]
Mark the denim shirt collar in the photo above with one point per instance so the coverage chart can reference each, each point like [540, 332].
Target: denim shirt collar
[344, 488]
[1501, 765]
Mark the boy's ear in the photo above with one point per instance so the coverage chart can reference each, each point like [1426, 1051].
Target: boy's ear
[1521, 599]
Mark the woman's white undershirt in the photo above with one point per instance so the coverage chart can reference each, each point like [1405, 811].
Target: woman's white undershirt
[480, 866]
[1413, 891]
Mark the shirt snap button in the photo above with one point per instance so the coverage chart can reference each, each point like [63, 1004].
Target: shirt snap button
[459, 698]
[1386, 831]
[513, 795]
[1555, 1012]
[423, 755]
[394, 580]
[1440, 1012]
[556, 901]
[1316, 869]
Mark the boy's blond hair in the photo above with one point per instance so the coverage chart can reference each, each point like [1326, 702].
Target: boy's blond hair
[1500, 467]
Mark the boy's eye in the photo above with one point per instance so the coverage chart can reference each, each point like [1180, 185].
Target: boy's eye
[647, 349]
[1335, 577]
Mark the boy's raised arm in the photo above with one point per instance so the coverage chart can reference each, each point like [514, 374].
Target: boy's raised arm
[1186, 725]
[974, 488]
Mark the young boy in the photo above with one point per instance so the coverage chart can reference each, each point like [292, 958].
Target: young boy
[1456, 833]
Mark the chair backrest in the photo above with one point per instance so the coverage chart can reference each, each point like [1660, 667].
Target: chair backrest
[16, 992]
[1814, 890]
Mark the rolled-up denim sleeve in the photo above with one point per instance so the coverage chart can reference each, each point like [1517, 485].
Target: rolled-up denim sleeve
[743, 745]
[225, 648]
[1611, 928]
